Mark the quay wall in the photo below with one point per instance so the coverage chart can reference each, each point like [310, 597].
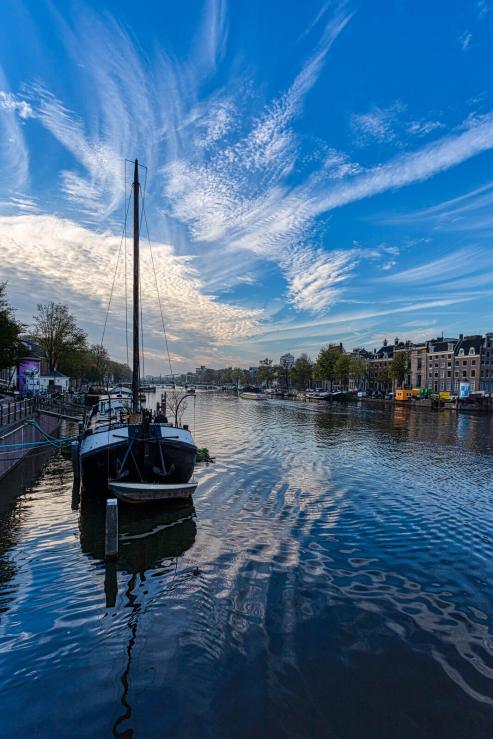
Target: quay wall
[10, 456]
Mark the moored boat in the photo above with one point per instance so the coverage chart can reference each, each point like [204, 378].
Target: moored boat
[138, 450]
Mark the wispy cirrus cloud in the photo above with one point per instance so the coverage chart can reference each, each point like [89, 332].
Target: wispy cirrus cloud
[14, 157]
[239, 195]
[405, 169]
[459, 264]
[390, 125]
[472, 211]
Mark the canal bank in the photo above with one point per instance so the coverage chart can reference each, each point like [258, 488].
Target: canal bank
[28, 426]
[332, 578]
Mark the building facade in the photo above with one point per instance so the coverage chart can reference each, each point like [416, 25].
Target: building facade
[467, 363]
[486, 365]
[417, 365]
[440, 364]
[286, 361]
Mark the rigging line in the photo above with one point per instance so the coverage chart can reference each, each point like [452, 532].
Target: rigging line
[158, 295]
[142, 192]
[114, 275]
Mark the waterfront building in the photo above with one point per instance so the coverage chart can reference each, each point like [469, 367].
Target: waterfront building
[440, 364]
[417, 365]
[467, 361]
[286, 361]
[54, 381]
[378, 361]
[486, 365]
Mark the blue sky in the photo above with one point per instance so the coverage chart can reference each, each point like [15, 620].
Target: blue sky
[316, 171]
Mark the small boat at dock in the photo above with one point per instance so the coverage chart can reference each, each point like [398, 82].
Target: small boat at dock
[252, 395]
[317, 395]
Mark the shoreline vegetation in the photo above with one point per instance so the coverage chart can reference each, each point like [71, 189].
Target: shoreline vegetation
[60, 343]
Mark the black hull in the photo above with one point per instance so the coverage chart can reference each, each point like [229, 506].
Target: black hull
[142, 464]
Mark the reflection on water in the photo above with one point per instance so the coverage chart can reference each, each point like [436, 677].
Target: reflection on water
[333, 578]
[149, 538]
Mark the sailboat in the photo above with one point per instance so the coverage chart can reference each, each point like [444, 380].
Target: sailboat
[136, 454]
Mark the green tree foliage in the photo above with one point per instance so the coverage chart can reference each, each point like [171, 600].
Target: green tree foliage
[11, 347]
[325, 366]
[94, 365]
[301, 372]
[265, 374]
[358, 369]
[384, 377]
[57, 333]
[342, 369]
[399, 367]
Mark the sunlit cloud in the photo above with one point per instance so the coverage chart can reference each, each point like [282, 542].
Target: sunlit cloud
[78, 264]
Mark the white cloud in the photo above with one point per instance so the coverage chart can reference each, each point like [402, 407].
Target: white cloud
[12, 104]
[465, 40]
[472, 211]
[14, 157]
[378, 124]
[447, 152]
[389, 125]
[458, 264]
[77, 265]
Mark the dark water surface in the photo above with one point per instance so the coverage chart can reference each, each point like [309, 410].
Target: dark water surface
[334, 578]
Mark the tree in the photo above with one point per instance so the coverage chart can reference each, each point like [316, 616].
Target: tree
[57, 333]
[399, 367]
[325, 365]
[301, 372]
[358, 369]
[11, 347]
[264, 374]
[384, 377]
[342, 369]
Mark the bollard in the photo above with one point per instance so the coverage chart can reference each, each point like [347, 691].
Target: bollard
[74, 453]
[111, 534]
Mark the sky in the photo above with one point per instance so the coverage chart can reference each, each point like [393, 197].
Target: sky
[315, 172]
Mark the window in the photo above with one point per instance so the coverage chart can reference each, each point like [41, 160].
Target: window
[449, 364]
[464, 363]
[464, 373]
[456, 374]
[436, 374]
[472, 350]
[473, 373]
[473, 361]
[449, 373]
[461, 352]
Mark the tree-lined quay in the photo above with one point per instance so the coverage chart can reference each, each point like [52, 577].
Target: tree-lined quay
[54, 347]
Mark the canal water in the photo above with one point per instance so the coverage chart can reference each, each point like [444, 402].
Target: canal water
[334, 578]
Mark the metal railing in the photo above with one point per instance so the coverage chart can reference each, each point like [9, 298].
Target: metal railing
[15, 410]
[12, 411]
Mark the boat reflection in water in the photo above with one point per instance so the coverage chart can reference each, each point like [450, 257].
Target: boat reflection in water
[154, 539]
[145, 540]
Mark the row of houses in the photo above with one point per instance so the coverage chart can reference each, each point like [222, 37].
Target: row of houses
[439, 364]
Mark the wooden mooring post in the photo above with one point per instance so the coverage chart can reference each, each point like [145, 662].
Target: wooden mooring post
[111, 530]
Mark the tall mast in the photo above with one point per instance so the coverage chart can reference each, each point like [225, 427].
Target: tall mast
[136, 358]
